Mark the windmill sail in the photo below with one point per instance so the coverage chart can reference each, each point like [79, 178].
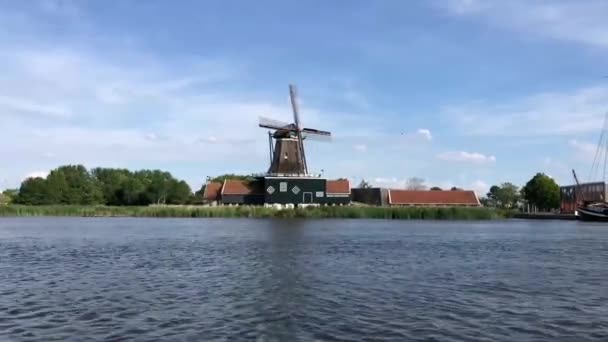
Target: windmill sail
[287, 153]
[296, 120]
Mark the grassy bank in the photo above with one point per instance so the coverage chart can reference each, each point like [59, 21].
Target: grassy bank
[256, 212]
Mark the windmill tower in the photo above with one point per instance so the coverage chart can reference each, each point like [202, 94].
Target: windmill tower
[286, 143]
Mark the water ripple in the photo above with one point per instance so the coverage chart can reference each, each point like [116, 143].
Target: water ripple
[265, 280]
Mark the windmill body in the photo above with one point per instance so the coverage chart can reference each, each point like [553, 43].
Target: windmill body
[287, 143]
[287, 180]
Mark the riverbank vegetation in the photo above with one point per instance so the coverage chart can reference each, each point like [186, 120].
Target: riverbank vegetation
[348, 212]
[74, 190]
[541, 192]
[75, 185]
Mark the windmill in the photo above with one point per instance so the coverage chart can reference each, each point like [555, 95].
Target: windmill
[287, 155]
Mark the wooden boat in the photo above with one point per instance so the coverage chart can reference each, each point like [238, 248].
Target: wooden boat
[596, 207]
[594, 211]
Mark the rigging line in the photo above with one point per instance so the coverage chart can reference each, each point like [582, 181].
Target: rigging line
[605, 160]
[605, 150]
[604, 175]
[595, 166]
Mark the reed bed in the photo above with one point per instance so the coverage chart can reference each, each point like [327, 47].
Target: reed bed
[347, 212]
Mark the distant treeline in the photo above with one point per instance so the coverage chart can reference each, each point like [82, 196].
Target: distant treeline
[75, 185]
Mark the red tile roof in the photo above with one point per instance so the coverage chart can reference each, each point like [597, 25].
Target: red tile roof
[341, 186]
[212, 191]
[411, 197]
[238, 187]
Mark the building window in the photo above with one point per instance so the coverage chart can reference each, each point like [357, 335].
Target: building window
[283, 187]
[320, 194]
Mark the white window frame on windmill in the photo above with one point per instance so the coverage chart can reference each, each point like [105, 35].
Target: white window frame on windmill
[296, 190]
[283, 187]
[312, 199]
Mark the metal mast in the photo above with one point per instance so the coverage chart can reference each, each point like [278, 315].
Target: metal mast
[601, 155]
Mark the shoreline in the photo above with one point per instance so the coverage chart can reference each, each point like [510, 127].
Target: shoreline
[346, 212]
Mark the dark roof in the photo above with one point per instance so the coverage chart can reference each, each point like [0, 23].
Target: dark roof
[212, 191]
[340, 186]
[413, 197]
[240, 187]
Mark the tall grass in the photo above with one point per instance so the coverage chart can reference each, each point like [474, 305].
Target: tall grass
[347, 212]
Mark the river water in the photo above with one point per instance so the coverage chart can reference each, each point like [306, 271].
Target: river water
[317, 280]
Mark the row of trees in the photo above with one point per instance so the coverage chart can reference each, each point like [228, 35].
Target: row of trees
[7, 196]
[74, 184]
[413, 183]
[541, 192]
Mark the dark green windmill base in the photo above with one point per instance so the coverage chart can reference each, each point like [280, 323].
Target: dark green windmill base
[288, 190]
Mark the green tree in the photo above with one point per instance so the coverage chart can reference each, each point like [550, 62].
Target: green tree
[34, 191]
[179, 192]
[158, 186]
[364, 185]
[197, 197]
[415, 183]
[508, 195]
[8, 196]
[73, 184]
[486, 202]
[492, 195]
[132, 192]
[505, 195]
[111, 183]
[543, 192]
[436, 188]
[222, 178]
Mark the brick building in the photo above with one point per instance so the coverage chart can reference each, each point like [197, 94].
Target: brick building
[595, 191]
[430, 198]
[427, 198]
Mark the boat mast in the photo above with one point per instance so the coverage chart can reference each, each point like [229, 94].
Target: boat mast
[601, 153]
[578, 192]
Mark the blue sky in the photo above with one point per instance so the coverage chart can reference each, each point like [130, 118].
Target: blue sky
[462, 93]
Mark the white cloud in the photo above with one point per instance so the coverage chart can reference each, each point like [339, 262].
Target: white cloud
[581, 111]
[210, 139]
[136, 112]
[480, 187]
[467, 157]
[425, 134]
[360, 147]
[420, 136]
[37, 174]
[389, 182]
[575, 21]
[585, 150]
[20, 106]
